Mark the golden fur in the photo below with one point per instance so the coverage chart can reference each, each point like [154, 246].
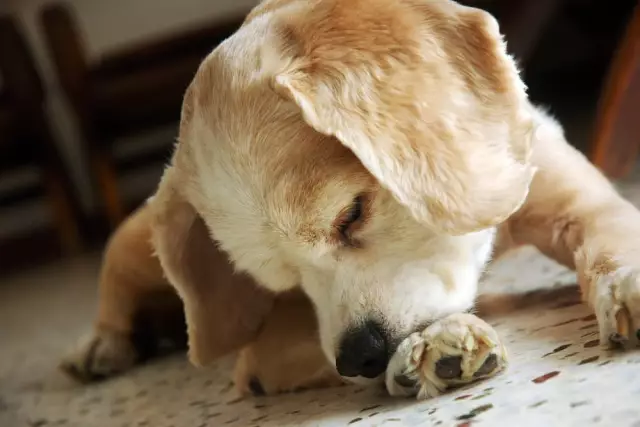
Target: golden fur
[414, 103]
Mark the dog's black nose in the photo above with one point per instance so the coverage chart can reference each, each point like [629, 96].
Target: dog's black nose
[363, 352]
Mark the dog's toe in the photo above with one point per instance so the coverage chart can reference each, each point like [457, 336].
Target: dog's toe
[615, 298]
[102, 355]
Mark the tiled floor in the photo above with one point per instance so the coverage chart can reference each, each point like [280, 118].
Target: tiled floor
[558, 375]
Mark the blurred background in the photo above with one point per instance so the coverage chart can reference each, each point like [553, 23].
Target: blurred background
[90, 96]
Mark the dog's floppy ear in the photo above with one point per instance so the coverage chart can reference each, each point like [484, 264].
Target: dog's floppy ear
[423, 92]
[223, 310]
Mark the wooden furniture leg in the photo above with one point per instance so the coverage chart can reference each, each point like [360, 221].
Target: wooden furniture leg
[59, 188]
[107, 178]
[616, 138]
[63, 211]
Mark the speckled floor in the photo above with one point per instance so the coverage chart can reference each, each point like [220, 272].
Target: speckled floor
[559, 376]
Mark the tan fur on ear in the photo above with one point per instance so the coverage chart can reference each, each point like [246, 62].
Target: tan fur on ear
[224, 311]
[423, 92]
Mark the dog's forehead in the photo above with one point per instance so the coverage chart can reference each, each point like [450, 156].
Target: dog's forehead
[278, 172]
[283, 180]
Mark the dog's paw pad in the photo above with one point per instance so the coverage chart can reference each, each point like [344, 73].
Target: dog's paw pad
[102, 355]
[449, 368]
[489, 366]
[454, 351]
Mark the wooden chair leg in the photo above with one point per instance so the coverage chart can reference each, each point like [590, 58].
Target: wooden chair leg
[616, 138]
[108, 186]
[59, 188]
[65, 211]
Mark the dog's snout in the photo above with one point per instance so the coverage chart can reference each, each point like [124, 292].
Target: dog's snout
[363, 352]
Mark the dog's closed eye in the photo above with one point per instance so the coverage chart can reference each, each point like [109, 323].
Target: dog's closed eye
[350, 219]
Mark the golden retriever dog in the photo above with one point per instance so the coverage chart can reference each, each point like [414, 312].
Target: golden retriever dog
[357, 161]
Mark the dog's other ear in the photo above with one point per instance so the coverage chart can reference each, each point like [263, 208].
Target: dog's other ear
[223, 310]
[423, 92]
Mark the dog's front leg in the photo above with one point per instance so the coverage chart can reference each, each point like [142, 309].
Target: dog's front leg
[134, 299]
[574, 215]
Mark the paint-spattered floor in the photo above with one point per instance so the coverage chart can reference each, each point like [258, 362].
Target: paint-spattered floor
[559, 376]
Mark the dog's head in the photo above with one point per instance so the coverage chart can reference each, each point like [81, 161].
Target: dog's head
[361, 149]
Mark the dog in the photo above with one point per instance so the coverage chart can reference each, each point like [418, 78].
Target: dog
[344, 173]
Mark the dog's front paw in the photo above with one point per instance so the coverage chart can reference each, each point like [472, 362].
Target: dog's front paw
[103, 354]
[456, 350]
[615, 298]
